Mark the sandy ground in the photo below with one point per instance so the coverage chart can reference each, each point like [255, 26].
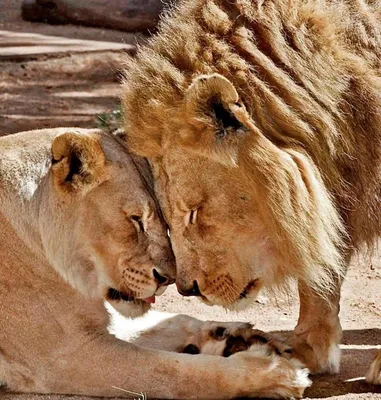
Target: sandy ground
[71, 91]
[60, 90]
[66, 91]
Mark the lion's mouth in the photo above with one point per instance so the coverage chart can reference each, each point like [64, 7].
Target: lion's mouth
[249, 288]
[249, 293]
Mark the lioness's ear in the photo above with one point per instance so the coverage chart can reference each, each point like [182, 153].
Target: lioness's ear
[215, 96]
[78, 160]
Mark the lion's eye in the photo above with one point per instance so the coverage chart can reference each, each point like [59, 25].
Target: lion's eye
[136, 220]
[191, 217]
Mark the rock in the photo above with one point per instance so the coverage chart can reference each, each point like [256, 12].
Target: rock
[126, 15]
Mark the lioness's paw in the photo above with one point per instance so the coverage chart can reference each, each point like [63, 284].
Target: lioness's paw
[264, 361]
[374, 374]
[271, 375]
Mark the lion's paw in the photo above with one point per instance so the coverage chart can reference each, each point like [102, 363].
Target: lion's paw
[225, 339]
[374, 374]
[318, 349]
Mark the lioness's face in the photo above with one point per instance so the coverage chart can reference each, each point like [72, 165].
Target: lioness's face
[110, 240]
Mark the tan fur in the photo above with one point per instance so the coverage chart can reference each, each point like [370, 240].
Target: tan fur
[293, 188]
[69, 202]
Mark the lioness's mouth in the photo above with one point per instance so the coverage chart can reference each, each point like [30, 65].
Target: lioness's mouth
[113, 294]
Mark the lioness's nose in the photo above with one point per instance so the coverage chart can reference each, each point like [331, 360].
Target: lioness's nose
[184, 290]
[161, 278]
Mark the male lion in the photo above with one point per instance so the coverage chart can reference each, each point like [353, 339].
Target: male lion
[262, 123]
[78, 225]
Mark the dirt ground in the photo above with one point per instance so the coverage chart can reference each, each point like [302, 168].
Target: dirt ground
[72, 90]
[60, 90]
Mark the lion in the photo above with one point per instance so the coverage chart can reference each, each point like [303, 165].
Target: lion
[79, 226]
[261, 123]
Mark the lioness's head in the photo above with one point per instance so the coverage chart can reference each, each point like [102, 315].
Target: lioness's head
[244, 211]
[102, 230]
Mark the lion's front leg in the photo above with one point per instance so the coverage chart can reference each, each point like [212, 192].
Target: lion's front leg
[318, 332]
[374, 374]
[185, 334]
[177, 332]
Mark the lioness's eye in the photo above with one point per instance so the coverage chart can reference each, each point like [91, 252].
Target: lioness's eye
[136, 220]
[191, 217]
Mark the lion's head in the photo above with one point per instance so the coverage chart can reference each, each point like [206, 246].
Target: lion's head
[102, 229]
[243, 159]
[243, 213]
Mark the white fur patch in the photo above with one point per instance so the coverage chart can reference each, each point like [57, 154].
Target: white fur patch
[301, 378]
[125, 329]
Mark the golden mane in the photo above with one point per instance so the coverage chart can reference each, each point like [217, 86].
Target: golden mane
[308, 75]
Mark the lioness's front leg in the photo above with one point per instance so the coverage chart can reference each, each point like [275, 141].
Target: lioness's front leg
[104, 362]
[318, 332]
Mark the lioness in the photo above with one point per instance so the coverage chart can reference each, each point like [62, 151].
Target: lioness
[262, 123]
[77, 226]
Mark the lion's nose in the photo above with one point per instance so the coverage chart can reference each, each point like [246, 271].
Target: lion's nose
[194, 290]
[161, 278]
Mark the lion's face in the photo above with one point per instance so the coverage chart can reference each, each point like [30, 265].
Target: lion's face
[107, 238]
[223, 250]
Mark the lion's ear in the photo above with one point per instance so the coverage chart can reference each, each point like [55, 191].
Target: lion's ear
[78, 160]
[216, 97]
